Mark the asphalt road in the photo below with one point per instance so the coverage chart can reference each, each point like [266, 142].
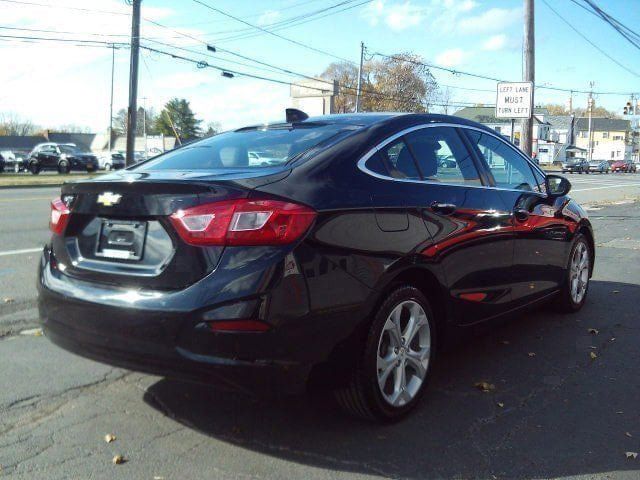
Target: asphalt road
[558, 413]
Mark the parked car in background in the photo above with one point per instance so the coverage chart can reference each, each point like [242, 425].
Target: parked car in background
[111, 161]
[10, 162]
[262, 159]
[63, 157]
[346, 266]
[623, 166]
[575, 165]
[600, 166]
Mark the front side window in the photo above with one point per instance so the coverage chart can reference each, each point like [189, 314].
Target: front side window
[442, 156]
[509, 169]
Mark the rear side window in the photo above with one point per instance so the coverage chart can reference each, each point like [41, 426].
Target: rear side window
[442, 156]
[399, 160]
[509, 169]
[250, 148]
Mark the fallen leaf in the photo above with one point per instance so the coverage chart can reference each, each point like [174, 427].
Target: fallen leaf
[613, 339]
[620, 413]
[593, 355]
[633, 455]
[118, 459]
[616, 291]
[35, 332]
[628, 434]
[485, 386]
[501, 405]
[109, 437]
[8, 300]
[505, 342]
[593, 331]
[158, 477]
[532, 354]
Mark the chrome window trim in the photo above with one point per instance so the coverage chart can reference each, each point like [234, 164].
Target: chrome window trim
[363, 160]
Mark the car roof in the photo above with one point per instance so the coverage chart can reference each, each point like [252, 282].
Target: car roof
[367, 119]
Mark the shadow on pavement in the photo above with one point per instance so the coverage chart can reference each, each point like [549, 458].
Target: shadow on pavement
[563, 412]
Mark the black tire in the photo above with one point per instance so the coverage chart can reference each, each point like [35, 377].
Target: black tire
[107, 167]
[564, 302]
[64, 167]
[34, 168]
[362, 397]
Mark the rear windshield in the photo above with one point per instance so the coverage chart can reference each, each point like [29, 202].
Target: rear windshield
[250, 148]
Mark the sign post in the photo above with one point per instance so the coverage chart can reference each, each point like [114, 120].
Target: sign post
[514, 100]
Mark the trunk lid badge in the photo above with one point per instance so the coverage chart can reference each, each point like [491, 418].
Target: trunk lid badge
[109, 199]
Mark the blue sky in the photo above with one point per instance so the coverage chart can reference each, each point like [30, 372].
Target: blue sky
[55, 85]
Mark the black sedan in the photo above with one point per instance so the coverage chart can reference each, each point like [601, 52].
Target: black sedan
[62, 157]
[346, 266]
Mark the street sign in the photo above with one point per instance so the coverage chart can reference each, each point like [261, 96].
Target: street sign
[513, 100]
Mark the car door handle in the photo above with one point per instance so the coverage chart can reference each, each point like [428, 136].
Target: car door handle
[443, 208]
[521, 214]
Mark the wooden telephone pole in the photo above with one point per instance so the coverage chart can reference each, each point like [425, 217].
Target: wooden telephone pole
[529, 73]
[133, 82]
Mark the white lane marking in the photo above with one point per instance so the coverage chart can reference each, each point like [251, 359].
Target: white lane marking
[20, 252]
[608, 186]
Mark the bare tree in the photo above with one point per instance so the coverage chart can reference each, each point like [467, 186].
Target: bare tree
[396, 83]
[13, 124]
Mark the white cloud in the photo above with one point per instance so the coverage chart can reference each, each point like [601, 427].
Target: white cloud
[396, 16]
[450, 58]
[492, 20]
[268, 17]
[496, 42]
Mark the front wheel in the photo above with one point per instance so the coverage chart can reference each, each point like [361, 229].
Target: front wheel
[576, 283]
[64, 167]
[34, 168]
[393, 367]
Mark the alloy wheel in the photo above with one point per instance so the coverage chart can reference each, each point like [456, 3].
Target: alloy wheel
[579, 272]
[404, 350]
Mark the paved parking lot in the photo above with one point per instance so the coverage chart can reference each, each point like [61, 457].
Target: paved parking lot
[557, 413]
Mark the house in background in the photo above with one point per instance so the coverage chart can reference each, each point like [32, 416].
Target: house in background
[611, 139]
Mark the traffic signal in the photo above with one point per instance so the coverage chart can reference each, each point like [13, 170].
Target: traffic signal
[628, 109]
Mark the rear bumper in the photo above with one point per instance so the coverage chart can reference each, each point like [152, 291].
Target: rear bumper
[162, 339]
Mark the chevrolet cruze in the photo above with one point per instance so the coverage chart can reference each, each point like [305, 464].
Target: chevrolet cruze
[368, 242]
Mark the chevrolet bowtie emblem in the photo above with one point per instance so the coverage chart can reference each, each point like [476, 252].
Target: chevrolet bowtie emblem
[109, 199]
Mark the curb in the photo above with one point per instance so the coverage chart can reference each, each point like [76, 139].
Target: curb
[38, 185]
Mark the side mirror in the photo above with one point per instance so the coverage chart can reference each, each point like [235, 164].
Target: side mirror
[557, 186]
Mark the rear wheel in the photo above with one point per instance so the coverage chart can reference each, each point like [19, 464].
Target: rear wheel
[576, 284]
[64, 167]
[394, 366]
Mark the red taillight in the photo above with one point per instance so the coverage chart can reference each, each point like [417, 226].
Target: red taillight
[239, 326]
[59, 216]
[243, 222]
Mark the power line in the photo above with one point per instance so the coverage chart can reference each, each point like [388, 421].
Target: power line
[67, 40]
[300, 21]
[202, 64]
[257, 27]
[487, 77]
[632, 36]
[588, 40]
[88, 10]
[285, 23]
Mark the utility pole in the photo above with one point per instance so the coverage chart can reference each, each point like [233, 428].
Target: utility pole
[133, 82]
[529, 73]
[359, 77]
[590, 112]
[113, 66]
[144, 124]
